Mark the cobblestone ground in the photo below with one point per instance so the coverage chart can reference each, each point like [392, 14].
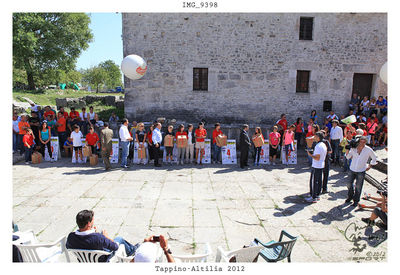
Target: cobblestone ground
[222, 205]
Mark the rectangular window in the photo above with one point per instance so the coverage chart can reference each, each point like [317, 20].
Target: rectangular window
[200, 79]
[302, 80]
[306, 28]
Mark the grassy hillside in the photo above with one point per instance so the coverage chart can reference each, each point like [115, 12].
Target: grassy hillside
[48, 97]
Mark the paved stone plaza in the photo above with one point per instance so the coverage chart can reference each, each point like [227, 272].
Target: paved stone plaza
[220, 204]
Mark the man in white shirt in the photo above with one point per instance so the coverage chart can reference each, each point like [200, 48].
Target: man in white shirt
[336, 136]
[125, 139]
[157, 140]
[317, 167]
[359, 165]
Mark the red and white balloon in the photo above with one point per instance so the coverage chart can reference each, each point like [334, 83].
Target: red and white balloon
[133, 66]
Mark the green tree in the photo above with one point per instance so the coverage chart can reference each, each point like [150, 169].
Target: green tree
[95, 76]
[113, 72]
[43, 41]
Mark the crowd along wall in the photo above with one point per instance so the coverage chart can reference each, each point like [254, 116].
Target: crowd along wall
[252, 62]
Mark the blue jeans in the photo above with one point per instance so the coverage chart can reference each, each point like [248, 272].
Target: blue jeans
[257, 156]
[125, 152]
[15, 141]
[216, 152]
[315, 182]
[346, 165]
[355, 194]
[129, 248]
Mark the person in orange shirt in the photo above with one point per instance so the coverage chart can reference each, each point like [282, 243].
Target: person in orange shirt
[215, 148]
[200, 135]
[23, 125]
[48, 112]
[61, 113]
[61, 125]
[92, 139]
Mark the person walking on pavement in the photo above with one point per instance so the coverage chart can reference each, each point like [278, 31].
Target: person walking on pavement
[106, 136]
[359, 165]
[244, 145]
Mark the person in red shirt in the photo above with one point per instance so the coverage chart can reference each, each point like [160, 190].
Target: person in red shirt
[62, 113]
[92, 139]
[28, 143]
[48, 112]
[23, 125]
[61, 125]
[371, 129]
[73, 119]
[282, 124]
[182, 150]
[298, 134]
[215, 148]
[200, 135]
[274, 140]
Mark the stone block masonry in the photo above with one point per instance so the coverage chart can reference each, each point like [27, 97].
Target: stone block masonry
[252, 62]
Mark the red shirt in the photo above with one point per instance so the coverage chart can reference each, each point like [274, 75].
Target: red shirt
[299, 128]
[60, 114]
[283, 123]
[365, 133]
[149, 138]
[22, 124]
[200, 132]
[91, 139]
[63, 123]
[369, 120]
[73, 114]
[181, 134]
[274, 138]
[215, 134]
[28, 139]
[49, 113]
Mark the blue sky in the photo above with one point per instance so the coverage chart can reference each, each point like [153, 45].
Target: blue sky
[107, 42]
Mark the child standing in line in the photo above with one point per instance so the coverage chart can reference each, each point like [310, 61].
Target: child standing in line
[169, 149]
[288, 141]
[274, 140]
[299, 130]
[257, 149]
[141, 136]
[181, 151]
[190, 146]
[28, 143]
[76, 137]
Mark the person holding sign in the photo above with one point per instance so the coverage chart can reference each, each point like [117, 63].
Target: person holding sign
[258, 140]
[181, 141]
[244, 146]
[169, 143]
[200, 135]
[215, 148]
[274, 140]
[140, 138]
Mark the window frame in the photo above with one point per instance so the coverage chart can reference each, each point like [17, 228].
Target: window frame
[303, 34]
[299, 80]
[202, 76]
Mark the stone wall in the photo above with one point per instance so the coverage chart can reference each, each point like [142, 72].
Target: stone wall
[252, 61]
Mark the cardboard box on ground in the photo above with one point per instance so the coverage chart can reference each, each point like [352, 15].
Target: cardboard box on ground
[36, 158]
[94, 160]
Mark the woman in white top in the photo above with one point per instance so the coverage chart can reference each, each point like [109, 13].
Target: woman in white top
[84, 116]
[92, 116]
[190, 145]
[364, 105]
[372, 107]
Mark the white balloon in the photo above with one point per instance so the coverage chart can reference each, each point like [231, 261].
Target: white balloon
[133, 66]
[383, 73]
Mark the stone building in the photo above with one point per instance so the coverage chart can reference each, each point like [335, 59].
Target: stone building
[235, 68]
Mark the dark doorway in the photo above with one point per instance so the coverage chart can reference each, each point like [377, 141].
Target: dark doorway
[362, 85]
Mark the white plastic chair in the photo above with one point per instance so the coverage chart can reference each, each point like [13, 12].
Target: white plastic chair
[86, 255]
[34, 252]
[121, 256]
[242, 255]
[199, 258]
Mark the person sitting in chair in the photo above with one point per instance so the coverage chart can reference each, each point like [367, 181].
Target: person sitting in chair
[87, 237]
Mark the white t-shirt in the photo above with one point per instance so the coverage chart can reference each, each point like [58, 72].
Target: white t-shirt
[320, 149]
[190, 138]
[91, 115]
[76, 138]
[81, 115]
